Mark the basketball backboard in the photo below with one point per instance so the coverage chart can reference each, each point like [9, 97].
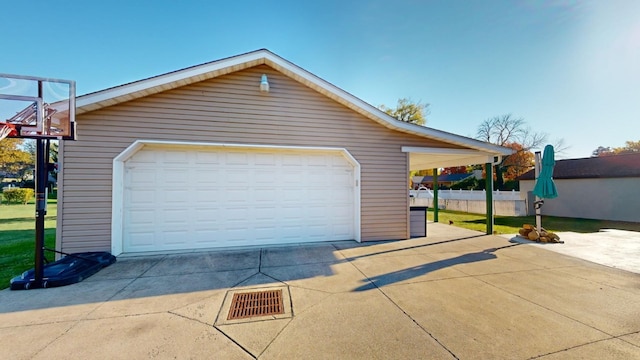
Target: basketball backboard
[34, 107]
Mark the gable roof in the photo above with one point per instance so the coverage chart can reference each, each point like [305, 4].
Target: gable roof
[614, 166]
[138, 89]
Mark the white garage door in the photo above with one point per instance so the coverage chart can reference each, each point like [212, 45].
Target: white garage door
[186, 198]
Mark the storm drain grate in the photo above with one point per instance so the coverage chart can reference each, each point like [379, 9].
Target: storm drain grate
[257, 303]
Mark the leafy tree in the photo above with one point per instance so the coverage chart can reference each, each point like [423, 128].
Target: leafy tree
[455, 170]
[518, 163]
[408, 111]
[30, 146]
[631, 147]
[601, 151]
[510, 131]
[12, 159]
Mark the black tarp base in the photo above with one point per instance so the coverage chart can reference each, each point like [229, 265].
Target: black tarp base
[71, 269]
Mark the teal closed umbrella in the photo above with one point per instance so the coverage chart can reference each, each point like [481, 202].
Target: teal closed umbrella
[545, 188]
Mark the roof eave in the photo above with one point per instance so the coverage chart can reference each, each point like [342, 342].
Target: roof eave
[157, 84]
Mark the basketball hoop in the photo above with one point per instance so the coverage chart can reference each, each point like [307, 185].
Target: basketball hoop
[6, 130]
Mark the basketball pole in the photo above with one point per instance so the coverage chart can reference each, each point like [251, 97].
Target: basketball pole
[41, 210]
[41, 204]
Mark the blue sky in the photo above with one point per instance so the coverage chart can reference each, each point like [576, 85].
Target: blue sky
[570, 68]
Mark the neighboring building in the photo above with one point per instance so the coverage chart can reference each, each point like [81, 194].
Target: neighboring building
[331, 167]
[443, 180]
[605, 187]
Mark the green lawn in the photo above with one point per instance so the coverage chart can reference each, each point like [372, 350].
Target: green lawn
[511, 224]
[17, 238]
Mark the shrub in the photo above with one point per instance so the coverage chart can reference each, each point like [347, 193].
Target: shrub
[18, 195]
[511, 185]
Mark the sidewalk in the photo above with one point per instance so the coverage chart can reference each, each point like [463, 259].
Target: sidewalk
[457, 294]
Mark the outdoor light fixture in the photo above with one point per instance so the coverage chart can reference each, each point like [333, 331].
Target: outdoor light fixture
[264, 84]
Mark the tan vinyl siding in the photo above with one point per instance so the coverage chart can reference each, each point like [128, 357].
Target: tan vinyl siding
[230, 109]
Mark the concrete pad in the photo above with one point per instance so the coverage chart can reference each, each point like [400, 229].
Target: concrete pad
[467, 243]
[475, 320]
[39, 306]
[542, 257]
[126, 268]
[614, 248]
[541, 303]
[37, 336]
[163, 293]
[632, 338]
[488, 261]
[575, 298]
[363, 325]
[147, 336]
[255, 336]
[391, 270]
[193, 263]
[336, 277]
[298, 255]
[259, 280]
[620, 279]
[207, 309]
[204, 310]
[611, 349]
[303, 299]
[353, 250]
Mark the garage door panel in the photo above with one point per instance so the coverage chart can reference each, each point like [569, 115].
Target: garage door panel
[175, 157]
[291, 160]
[207, 158]
[265, 159]
[233, 158]
[177, 199]
[142, 216]
[205, 196]
[140, 197]
[145, 240]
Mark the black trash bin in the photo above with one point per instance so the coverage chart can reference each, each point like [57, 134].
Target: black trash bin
[418, 221]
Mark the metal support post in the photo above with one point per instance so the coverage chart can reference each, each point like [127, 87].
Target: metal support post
[489, 197]
[435, 195]
[41, 210]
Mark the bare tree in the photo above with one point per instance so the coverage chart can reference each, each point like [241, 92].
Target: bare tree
[510, 131]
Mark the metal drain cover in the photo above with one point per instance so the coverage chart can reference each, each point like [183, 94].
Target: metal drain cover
[260, 303]
[256, 303]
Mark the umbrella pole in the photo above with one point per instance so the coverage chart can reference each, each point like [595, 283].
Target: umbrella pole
[537, 203]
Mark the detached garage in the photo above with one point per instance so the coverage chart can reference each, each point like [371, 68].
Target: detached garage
[235, 196]
[245, 151]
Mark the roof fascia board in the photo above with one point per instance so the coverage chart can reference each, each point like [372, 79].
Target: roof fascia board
[372, 112]
[169, 78]
[443, 151]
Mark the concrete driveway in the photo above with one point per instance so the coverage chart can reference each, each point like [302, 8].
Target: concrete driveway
[457, 294]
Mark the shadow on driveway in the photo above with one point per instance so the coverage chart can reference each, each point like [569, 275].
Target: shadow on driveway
[416, 271]
[215, 271]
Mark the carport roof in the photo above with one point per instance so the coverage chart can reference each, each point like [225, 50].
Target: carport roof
[463, 151]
